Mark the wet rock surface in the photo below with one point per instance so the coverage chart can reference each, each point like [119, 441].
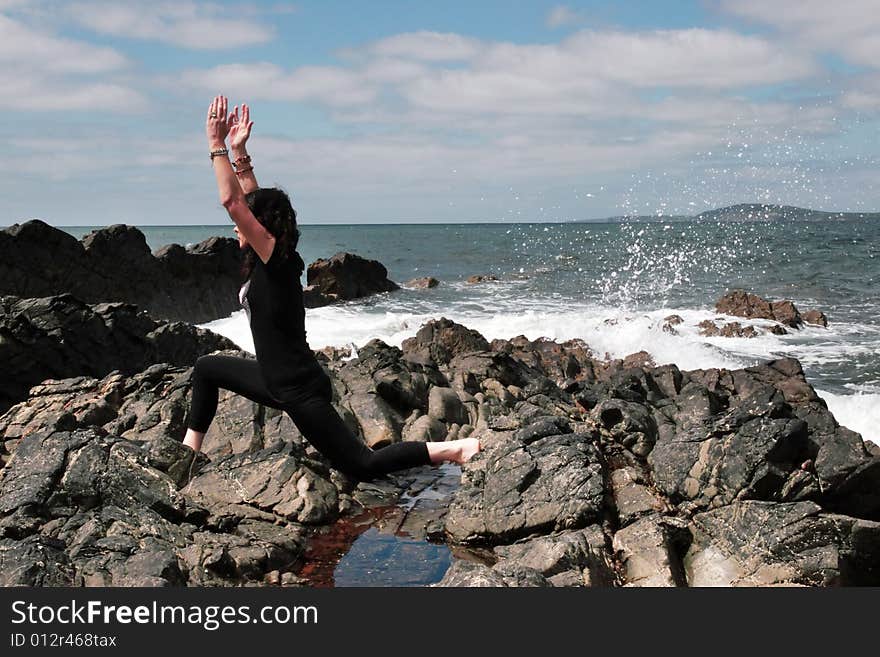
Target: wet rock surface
[593, 472]
[745, 304]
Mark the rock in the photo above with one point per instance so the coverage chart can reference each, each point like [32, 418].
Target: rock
[649, 550]
[744, 304]
[731, 330]
[577, 558]
[747, 452]
[525, 484]
[751, 543]
[481, 278]
[423, 283]
[670, 322]
[269, 484]
[632, 498]
[379, 423]
[468, 574]
[313, 297]
[561, 362]
[439, 341]
[346, 276]
[60, 337]
[114, 264]
[815, 317]
[444, 405]
[425, 429]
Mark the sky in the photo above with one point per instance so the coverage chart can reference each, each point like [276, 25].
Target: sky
[478, 111]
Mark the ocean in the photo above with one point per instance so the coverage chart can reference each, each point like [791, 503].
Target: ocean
[612, 284]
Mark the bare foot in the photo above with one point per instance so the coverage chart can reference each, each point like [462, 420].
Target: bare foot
[469, 447]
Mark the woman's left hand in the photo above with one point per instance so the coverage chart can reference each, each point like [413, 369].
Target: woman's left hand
[217, 126]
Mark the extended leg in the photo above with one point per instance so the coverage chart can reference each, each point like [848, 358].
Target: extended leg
[321, 425]
[241, 375]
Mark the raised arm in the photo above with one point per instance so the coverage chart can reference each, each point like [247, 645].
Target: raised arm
[231, 194]
[239, 132]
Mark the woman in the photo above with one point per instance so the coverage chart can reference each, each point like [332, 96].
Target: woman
[286, 374]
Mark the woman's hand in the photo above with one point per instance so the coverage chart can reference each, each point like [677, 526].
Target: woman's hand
[217, 124]
[239, 127]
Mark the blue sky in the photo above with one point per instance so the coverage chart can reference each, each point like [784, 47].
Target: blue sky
[440, 112]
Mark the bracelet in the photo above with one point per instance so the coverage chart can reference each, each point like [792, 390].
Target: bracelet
[219, 151]
[244, 159]
[241, 171]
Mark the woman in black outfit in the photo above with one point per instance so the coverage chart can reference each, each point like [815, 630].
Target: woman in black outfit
[286, 374]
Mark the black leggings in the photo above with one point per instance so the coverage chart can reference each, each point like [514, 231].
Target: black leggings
[310, 410]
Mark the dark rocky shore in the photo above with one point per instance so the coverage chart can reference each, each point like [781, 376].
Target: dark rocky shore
[599, 473]
[194, 284]
[594, 472]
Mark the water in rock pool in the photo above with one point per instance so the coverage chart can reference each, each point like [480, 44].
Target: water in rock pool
[397, 544]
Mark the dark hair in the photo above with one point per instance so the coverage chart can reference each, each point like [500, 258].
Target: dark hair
[271, 206]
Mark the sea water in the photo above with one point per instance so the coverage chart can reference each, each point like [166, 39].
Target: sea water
[612, 284]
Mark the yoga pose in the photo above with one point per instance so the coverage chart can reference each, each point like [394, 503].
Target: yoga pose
[286, 374]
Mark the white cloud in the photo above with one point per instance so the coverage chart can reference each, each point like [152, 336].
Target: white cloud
[846, 27]
[45, 72]
[22, 46]
[329, 85]
[427, 46]
[562, 15]
[194, 25]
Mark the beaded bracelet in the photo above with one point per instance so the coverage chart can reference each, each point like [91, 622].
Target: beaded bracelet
[241, 171]
[244, 159]
[219, 151]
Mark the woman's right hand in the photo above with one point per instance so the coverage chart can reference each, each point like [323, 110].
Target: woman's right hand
[239, 127]
[216, 125]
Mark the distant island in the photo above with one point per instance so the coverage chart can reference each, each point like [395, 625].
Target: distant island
[747, 212]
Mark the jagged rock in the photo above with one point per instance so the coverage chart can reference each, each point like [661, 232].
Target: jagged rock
[575, 558]
[279, 481]
[815, 317]
[445, 405]
[750, 543]
[425, 429]
[670, 322]
[423, 283]
[650, 551]
[749, 451]
[481, 278]
[380, 424]
[314, 297]
[562, 362]
[632, 498]
[346, 276]
[439, 341]
[475, 575]
[60, 337]
[114, 264]
[730, 330]
[531, 482]
[744, 304]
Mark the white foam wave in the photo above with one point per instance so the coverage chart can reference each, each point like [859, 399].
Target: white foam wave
[859, 412]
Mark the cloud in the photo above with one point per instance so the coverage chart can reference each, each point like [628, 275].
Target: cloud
[193, 25]
[332, 86]
[562, 15]
[427, 46]
[22, 46]
[45, 72]
[846, 27]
